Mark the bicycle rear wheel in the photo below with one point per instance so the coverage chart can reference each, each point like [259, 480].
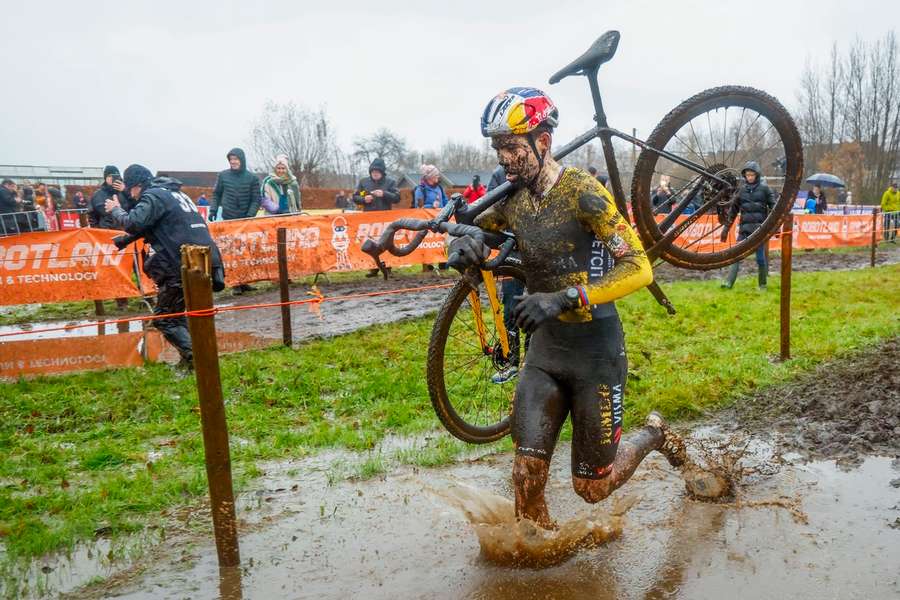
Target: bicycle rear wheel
[471, 406]
[720, 129]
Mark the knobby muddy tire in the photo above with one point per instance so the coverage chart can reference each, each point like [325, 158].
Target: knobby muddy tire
[443, 405]
[719, 97]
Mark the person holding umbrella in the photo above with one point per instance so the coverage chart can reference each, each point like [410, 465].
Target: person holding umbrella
[816, 204]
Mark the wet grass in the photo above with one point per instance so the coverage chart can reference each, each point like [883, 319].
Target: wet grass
[108, 453]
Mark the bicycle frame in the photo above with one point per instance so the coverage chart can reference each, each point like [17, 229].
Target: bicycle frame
[604, 133]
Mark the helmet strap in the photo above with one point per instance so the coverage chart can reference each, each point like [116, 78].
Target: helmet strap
[540, 157]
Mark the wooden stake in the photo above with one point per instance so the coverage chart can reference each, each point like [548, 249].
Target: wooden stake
[283, 282]
[874, 236]
[197, 282]
[787, 235]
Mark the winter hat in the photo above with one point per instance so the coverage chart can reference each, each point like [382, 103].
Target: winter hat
[137, 175]
[429, 171]
[282, 159]
[110, 170]
[378, 165]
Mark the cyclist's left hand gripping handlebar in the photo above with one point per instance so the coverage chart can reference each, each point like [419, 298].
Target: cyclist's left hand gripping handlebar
[503, 243]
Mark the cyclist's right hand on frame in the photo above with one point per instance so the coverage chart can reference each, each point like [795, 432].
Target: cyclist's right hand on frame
[469, 252]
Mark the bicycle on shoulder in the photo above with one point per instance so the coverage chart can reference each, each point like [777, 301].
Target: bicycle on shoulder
[695, 154]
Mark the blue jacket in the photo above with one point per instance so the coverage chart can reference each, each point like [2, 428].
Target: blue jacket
[425, 196]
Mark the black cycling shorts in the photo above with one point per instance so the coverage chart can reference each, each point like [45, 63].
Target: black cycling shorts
[578, 369]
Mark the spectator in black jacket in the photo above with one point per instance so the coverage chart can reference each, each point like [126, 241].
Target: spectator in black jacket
[377, 191]
[237, 192]
[661, 199]
[754, 204]
[9, 204]
[111, 188]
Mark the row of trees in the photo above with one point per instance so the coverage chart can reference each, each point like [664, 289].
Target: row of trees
[849, 114]
[308, 138]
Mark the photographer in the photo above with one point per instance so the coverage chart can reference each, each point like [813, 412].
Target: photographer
[167, 219]
[112, 188]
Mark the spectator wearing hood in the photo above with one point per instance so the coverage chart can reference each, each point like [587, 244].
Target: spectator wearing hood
[167, 219]
[237, 190]
[429, 193]
[377, 191]
[280, 191]
[755, 201]
[112, 187]
[475, 190]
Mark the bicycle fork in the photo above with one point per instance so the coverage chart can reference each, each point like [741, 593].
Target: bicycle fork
[490, 287]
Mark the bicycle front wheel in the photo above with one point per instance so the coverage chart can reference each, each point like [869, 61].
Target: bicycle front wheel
[468, 369]
[719, 130]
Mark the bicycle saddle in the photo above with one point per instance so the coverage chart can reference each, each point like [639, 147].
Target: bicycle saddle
[600, 52]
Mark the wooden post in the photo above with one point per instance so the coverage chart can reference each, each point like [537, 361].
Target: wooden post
[197, 282]
[874, 236]
[787, 235]
[283, 283]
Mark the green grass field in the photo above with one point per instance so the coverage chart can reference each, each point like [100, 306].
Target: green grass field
[113, 449]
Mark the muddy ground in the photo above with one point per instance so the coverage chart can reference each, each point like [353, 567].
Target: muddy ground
[844, 410]
[804, 527]
[336, 318]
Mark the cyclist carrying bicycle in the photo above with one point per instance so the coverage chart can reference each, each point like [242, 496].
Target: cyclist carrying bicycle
[579, 256]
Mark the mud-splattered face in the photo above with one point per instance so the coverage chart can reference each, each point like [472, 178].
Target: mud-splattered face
[516, 157]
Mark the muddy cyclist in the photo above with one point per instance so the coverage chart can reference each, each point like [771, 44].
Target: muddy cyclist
[579, 255]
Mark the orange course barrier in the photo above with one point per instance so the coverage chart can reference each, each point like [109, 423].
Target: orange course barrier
[831, 231]
[83, 264]
[810, 232]
[62, 266]
[316, 244]
[61, 355]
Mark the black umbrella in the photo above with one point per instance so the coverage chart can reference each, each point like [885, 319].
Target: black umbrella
[826, 180]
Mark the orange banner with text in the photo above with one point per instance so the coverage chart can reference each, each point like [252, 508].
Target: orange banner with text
[62, 355]
[316, 244]
[83, 264]
[65, 266]
[830, 231]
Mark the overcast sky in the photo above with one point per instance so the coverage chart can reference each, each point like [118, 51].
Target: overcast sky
[174, 85]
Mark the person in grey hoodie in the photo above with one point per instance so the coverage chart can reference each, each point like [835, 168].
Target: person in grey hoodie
[237, 190]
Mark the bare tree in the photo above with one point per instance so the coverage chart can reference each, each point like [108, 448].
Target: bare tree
[460, 156]
[305, 136]
[849, 111]
[384, 144]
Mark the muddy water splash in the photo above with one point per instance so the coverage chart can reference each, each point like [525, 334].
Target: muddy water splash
[716, 466]
[506, 540]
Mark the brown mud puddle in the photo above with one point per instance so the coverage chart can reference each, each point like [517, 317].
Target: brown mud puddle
[506, 540]
[392, 538]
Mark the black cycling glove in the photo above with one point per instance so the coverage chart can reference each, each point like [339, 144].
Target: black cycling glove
[532, 310]
[469, 251]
